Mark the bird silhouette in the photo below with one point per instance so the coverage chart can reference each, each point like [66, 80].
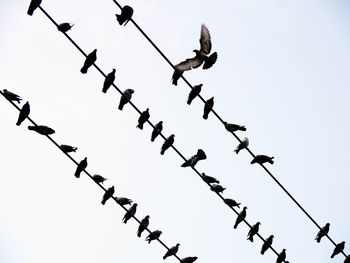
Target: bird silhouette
[144, 116]
[125, 15]
[41, 129]
[242, 215]
[34, 4]
[209, 104]
[260, 159]
[108, 194]
[281, 256]
[108, 81]
[123, 201]
[253, 231]
[11, 96]
[68, 148]
[324, 231]
[131, 212]
[153, 236]
[172, 251]
[98, 178]
[194, 93]
[234, 127]
[167, 143]
[231, 202]
[338, 249]
[217, 188]
[241, 146]
[157, 130]
[24, 113]
[89, 61]
[189, 259]
[267, 244]
[64, 27]
[81, 167]
[347, 259]
[208, 179]
[143, 225]
[125, 98]
[192, 161]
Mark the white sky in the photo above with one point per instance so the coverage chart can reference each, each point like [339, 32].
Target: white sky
[282, 71]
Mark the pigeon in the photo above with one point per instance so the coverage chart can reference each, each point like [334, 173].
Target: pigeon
[23, 114]
[267, 244]
[125, 98]
[123, 201]
[231, 202]
[207, 107]
[347, 260]
[241, 146]
[41, 129]
[260, 159]
[108, 194]
[11, 96]
[324, 231]
[189, 259]
[157, 130]
[338, 249]
[34, 4]
[144, 116]
[98, 178]
[64, 27]
[208, 179]
[81, 166]
[192, 161]
[131, 212]
[143, 225]
[234, 127]
[68, 148]
[172, 251]
[241, 217]
[108, 81]
[217, 188]
[89, 61]
[253, 231]
[167, 143]
[281, 256]
[153, 235]
[194, 93]
[125, 16]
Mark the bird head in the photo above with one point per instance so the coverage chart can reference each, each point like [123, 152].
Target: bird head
[258, 223]
[113, 70]
[197, 52]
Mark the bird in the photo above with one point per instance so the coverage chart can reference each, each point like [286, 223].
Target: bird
[176, 76]
[64, 27]
[324, 231]
[281, 256]
[347, 259]
[89, 61]
[125, 98]
[338, 249]
[81, 166]
[144, 116]
[189, 259]
[68, 148]
[234, 127]
[240, 217]
[131, 212]
[253, 231]
[172, 251]
[108, 194]
[34, 4]
[194, 93]
[192, 161]
[267, 244]
[209, 104]
[208, 179]
[143, 225]
[125, 15]
[41, 129]
[11, 96]
[153, 235]
[231, 202]
[167, 143]
[157, 130]
[98, 178]
[262, 159]
[108, 81]
[24, 113]
[217, 188]
[123, 201]
[242, 145]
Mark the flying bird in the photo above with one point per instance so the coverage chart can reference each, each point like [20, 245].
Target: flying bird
[240, 217]
[241, 146]
[144, 116]
[108, 194]
[23, 114]
[81, 167]
[209, 104]
[157, 130]
[260, 159]
[144, 224]
[153, 235]
[189, 259]
[231, 202]
[338, 249]
[123, 201]
[192, 161]
[281, 256]
[68, 148]
[167, 143]
[125, 98]
[64, 27]
[108, 81]
[98, 178]
[194, 93]
[125, 16]
[89, 61]
[217, 188]
[234, 127]
[253, 231]
[131, 212]
[172, 251]
[41, 129]
[208, 179]
[34, 4]
[267, 244]
[11, 96]
[324, 231]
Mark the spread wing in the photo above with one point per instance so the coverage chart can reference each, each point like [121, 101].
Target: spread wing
[188, 64]
[205, 40]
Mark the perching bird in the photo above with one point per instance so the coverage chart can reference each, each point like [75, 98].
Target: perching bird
[81, 167]
[338, 249]
[192, 161]
[172, 251]
[123, 201]
[267, 244]
[241, 146]
[144, 116]
[143, 225]
[167, 143]
[125, 16]
[64, 27]
[68, 148]
[11, 96]
[324, 231]
[217, 188]
[157, 130]
[281, 256]
[125, 98]
[209, 104]
[231, 202]
[108, 194]
[98, 178]
[153, 235]
[89, 61]
[34, 4]
[253, 231]
[234, 127]
[108, 81]
[131, 212]
[189, 259]
[208, 179]
[262, 159]
[23, 114]
[240, 217]
[194, 93]
[41, 129]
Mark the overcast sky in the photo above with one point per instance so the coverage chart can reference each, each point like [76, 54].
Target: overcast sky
[282, 71]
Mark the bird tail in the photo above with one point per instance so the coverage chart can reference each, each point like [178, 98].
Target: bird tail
[238, 205]
[77, 175]
[318, 239]
[189, 101]
[18, 122]
[162, 152]
[243, 128]
[120, 106]
[253, 161]
[210, 61]
[32, 128]
[205, 116]
[237, 150]
[235, 226]
[138, 233]
[83, 70]
[104, 90]
[332, 255]
[75, 149]
[250, 238]
[271, 161]
[140, 126]
[185, 164]
[152, 139]
[103, 201]
[262, 252]
[120, 19]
